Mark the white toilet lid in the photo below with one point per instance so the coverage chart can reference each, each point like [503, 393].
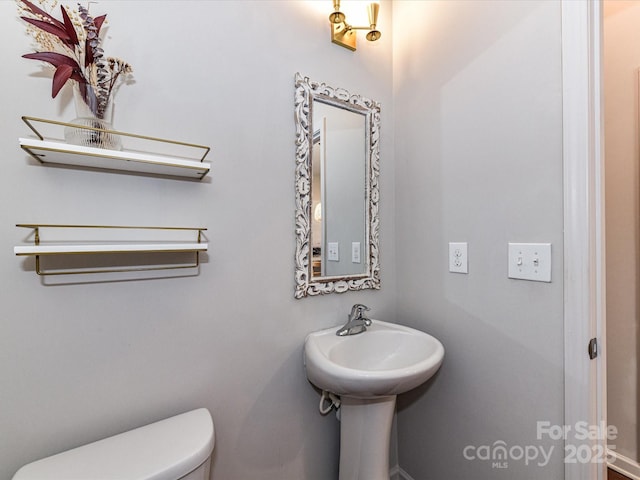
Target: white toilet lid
[165, 450]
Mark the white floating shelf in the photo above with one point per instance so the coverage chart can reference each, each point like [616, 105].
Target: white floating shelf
[56, 151]
[50, 239]
[65, 154]
[109, 248]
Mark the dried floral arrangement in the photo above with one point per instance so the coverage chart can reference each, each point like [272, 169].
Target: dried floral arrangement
[74, 48]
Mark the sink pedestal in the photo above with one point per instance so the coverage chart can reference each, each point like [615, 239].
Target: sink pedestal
[365, 433]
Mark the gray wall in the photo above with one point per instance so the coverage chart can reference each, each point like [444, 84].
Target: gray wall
[479, 159]
[621, 62]
[80, 362]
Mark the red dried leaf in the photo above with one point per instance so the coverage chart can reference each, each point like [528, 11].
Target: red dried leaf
[98, 21]
[77, 76]
[88, 53]
[59, 32]
[68, 27]
[63, 73]
[39, 11]
[55, 59]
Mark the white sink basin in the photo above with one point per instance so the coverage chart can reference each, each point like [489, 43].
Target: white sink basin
[387, 359]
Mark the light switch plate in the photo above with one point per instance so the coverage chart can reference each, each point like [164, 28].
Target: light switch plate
[530, 261]
[355, 252]
[333, 249]
[458, 260]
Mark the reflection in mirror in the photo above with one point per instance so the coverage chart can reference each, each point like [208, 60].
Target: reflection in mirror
[338, 161]
[337, 165]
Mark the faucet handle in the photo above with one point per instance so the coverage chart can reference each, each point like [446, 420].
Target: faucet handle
[357, 313]
[359, 309]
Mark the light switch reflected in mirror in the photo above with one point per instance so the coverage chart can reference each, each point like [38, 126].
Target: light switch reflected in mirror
[337, 165]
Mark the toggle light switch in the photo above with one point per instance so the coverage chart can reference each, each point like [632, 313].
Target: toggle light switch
[355, 252]
[530, 261]
[333, 249]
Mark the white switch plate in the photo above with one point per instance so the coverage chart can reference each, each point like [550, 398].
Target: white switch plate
[355, 252]
[333, 249]
[458, 261]
[530, 261]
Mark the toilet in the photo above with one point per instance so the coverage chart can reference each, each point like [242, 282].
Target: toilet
[177, 448]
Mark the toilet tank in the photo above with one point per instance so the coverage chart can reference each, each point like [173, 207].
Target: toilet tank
[176, 448]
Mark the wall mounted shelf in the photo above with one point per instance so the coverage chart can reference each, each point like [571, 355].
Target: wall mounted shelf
[51, 239]
[49, 149]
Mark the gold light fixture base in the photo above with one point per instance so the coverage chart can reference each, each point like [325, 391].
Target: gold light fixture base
[343, 36]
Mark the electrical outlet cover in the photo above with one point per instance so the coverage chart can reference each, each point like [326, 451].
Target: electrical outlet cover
[458, 260]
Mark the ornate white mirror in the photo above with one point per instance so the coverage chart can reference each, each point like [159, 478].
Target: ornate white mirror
[337, 168]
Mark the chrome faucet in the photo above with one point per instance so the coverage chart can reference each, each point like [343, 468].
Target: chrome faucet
[357, 321]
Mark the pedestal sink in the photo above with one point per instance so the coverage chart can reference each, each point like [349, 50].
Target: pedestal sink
[368, 371]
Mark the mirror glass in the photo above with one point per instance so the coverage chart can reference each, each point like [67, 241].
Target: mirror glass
[338, 161]
[337, 164]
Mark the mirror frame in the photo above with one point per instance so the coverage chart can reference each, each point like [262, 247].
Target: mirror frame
[306, 91]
